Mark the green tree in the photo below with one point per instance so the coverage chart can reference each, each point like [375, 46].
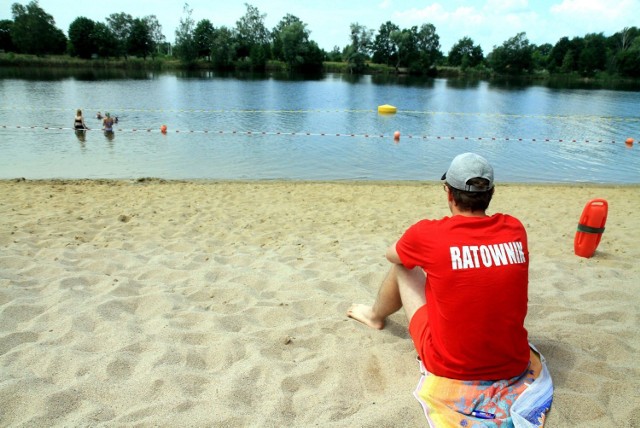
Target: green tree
[314, 57]
[628, 60]
[465, 54]
[276, 35]
[222, 48]
[540, 56]
[81, 39]
[57, 44]
[625, 38]
[104, 40]
[428, 49]
[5, 36]
[155, 32]
[121, 25]
[34, 31]
[253, 38]
[292, 45]
[570, 62]
[139, 42]
[358, 51]
[185, 46]
[513, 57]
[203, 38]
[294, 38]
[558, 53]
[335, 55]
[405, 40]
[593, 56]
[385, 51]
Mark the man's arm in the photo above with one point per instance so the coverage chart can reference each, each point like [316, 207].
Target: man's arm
[392, 254]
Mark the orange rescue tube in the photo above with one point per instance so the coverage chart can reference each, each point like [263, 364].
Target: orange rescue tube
[590, 227]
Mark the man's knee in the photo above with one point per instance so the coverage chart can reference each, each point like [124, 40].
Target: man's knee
[411, 283]
[413, 278]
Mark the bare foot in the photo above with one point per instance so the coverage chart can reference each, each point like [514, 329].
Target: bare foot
[365, 315]
[536, 364]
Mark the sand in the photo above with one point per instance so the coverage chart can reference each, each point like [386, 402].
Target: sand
[151, 303]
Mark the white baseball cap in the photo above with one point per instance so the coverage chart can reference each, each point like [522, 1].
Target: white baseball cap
[466, 166]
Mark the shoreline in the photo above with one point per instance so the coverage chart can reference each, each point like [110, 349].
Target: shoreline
[159, 180]
[165, 302]
[11, 60]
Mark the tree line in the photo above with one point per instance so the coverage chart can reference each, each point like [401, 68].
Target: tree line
[250, 45]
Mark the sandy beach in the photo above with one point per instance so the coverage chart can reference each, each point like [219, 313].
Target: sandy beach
[152, 303]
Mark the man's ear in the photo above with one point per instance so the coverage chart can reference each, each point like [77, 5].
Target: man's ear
[450, 196]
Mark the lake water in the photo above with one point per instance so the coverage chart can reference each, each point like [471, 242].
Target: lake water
[239, 128]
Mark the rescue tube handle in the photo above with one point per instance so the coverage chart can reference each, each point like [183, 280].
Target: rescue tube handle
[588, 229]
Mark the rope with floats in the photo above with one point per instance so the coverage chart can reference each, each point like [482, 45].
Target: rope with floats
[396, 135]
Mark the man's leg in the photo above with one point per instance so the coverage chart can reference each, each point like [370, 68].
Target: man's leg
[401, 287]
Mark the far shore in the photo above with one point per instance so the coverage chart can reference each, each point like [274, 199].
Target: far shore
[66, 63]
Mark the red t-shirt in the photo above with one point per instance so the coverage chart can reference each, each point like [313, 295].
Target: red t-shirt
[472, 327]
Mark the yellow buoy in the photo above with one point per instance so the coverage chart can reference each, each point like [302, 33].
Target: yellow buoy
[387, 109]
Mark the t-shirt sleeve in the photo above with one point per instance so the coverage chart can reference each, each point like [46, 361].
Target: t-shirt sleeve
[411, 245]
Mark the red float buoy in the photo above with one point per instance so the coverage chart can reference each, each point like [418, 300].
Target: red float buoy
[590, 227]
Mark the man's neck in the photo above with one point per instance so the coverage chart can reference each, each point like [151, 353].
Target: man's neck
[479, 213]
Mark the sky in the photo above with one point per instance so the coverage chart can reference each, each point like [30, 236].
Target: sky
[488, 23]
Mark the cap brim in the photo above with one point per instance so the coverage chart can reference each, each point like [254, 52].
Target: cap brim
[444, 176]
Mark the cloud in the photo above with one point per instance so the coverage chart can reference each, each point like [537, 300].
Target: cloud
[436, 14]
[581, 7]
[506, 6]
[467, 16]
[432, 13]
[452, 23]
[576, 18]
[598, 10]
